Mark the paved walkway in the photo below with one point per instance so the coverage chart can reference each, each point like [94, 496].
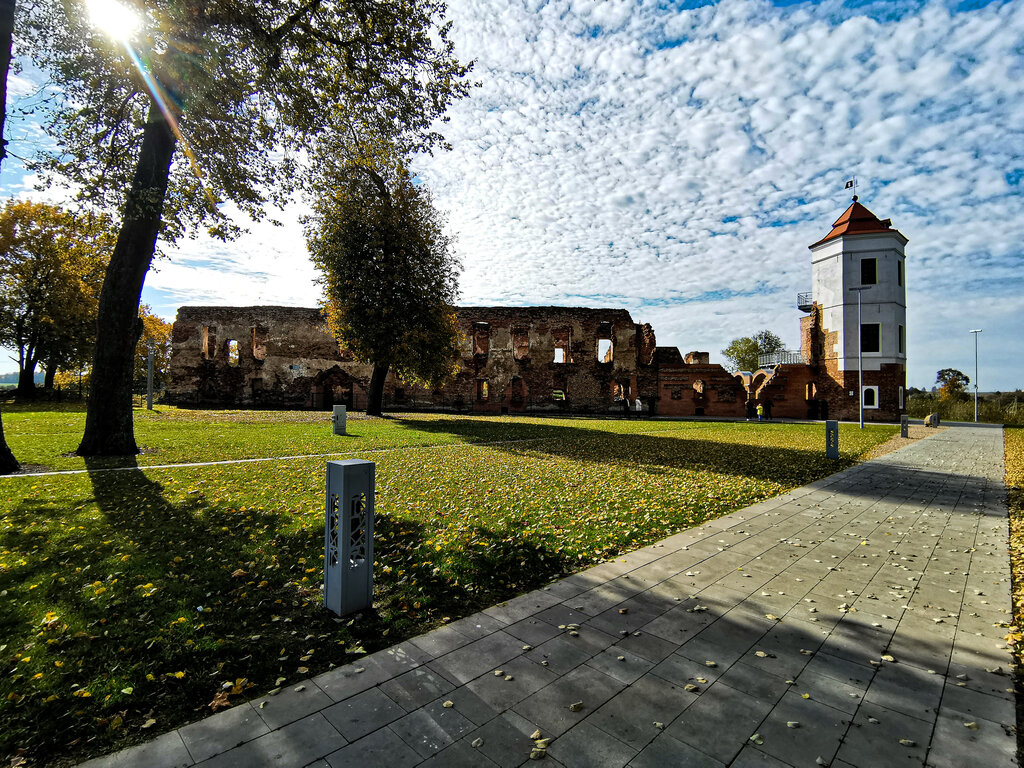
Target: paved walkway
[856, 621]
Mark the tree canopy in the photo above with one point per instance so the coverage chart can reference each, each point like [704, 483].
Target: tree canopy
[52, 263]
[390, 276]
[244, 89]
[742, 353]
[952, 384]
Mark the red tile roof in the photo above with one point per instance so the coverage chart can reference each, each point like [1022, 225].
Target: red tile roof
[856, 220]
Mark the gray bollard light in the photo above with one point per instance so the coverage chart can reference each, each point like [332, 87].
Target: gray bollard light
[831, 439]
[348, 536]
[904, 426]
[338, 419]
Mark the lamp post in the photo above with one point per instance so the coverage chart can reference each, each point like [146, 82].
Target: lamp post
[149, 376]
[860, 352]
[976, 331]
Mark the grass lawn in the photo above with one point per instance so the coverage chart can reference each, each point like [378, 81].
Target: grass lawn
[131, 597]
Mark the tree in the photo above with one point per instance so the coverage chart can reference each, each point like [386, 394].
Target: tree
[742, 353]
[157, 332]
[51, 267]
[952, 384]
[244, 88]
[389, 277]
[8, 463]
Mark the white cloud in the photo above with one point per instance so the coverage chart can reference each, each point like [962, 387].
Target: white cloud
[631, 154]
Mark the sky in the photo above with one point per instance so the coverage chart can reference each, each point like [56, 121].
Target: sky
[677, 160]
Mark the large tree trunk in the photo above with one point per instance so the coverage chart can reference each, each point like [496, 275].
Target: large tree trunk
[51, 372]
[8, 463]
[108, 422]
[375, 396]
[27, 381]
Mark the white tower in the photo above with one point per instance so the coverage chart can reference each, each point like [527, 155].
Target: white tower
[863, 251]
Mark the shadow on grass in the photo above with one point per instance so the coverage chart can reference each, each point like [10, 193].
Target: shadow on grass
[684, 451]
[148, 586]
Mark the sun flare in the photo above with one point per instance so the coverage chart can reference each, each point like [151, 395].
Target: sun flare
[114, 18]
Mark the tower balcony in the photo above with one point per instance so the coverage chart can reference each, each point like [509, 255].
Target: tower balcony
[804, 301]
[782, 357]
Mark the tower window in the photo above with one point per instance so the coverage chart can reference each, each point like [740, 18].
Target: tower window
[870, 396]
[868, 271]
[902, 341]
[899, 271]
[870, 337]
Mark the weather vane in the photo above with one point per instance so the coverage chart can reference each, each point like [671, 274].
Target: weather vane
[852, 184]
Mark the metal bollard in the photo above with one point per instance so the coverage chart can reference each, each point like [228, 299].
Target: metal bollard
[338, 419]
[904, 426]
[348, 536]
[831, 439]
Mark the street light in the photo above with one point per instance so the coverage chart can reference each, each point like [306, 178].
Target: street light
[976, 331]
[860, 353]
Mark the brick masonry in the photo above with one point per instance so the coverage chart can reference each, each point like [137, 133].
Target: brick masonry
[512, 360]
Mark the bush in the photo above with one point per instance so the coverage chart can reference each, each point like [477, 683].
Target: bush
[997, 409]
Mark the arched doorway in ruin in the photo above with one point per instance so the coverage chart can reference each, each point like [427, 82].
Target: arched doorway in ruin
[335, 387]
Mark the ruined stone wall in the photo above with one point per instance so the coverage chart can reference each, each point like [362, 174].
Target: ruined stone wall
[512, 359]
[276, 356]
[791, 391]
[694, 387]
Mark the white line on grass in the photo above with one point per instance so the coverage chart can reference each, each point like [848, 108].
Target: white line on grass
[307, 456]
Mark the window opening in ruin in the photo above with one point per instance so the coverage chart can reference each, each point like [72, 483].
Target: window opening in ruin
[558, 394]
[481, 338]
[902, 340]
[811, 391]
[209, 341]
[232, 352]
[870, 337]
[899, 272]
[698, 388]
[870, 397]
[482, 390]
[562, 338]
[520, 343]
[868, 271]
[259, 343]
[604, 343]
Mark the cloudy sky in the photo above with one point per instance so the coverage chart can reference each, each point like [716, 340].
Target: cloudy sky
[677, 159]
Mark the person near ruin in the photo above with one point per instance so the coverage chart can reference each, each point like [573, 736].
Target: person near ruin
[760, 412]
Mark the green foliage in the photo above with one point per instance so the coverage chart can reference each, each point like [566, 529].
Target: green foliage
[249, 86]
[742, 353]
[389, 273]
[52, 263]
[136, 595]
[952, 385]
[1006, 409]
